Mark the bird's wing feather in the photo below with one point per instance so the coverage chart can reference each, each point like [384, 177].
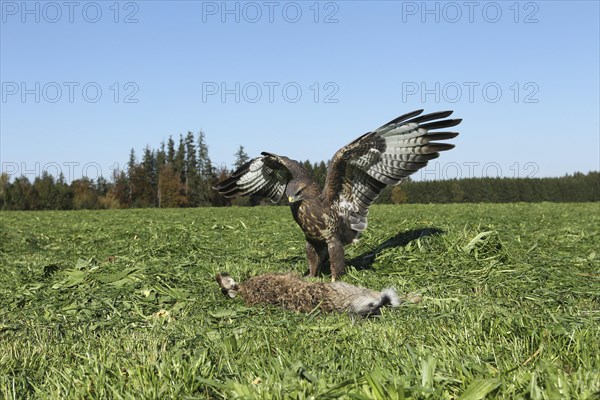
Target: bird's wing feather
[359, 171]
[266, 176]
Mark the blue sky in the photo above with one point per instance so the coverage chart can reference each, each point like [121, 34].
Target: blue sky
[84, 82]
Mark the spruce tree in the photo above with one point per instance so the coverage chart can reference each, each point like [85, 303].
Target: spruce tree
[241, 157]
[207, 171]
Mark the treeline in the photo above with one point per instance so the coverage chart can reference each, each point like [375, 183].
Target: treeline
[177, 174]
[182, 175]
[570, 188]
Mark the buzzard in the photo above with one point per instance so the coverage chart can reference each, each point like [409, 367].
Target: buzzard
[335, 216]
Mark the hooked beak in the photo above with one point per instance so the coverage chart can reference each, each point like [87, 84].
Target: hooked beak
[291, 199]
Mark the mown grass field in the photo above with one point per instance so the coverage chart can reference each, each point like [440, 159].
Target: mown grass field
[123, 304]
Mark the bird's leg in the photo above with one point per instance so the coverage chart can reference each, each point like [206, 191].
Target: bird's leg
[313, 259]
[336, 258]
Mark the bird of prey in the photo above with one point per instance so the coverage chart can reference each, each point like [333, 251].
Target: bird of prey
[335, 216]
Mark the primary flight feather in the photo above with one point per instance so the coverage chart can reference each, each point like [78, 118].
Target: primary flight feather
[335, 216]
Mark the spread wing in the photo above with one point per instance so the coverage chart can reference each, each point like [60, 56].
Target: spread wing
[266, 176]
[361, 170]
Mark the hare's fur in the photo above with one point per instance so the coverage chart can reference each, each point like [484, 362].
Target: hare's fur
[292, 292]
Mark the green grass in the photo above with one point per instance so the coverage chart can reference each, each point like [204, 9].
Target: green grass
[123, 304]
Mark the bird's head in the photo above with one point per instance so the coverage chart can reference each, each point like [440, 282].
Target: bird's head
[300, 189]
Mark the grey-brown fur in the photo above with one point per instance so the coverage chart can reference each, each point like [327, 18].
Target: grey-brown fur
[292, 292]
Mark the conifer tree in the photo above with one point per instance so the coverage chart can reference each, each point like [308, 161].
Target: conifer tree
[240, 157]
[206, 169]
[179, 162]
[193, 181]
[171, 151]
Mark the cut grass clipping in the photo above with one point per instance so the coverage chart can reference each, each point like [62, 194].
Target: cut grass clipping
[123, 304]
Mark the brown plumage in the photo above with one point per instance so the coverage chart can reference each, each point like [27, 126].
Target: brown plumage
[335, 216]
[292, 292]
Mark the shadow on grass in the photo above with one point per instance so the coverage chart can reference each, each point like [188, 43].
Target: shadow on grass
[366, 260]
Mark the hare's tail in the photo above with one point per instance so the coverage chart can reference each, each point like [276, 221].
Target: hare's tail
[389, 297]
[366, 306]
